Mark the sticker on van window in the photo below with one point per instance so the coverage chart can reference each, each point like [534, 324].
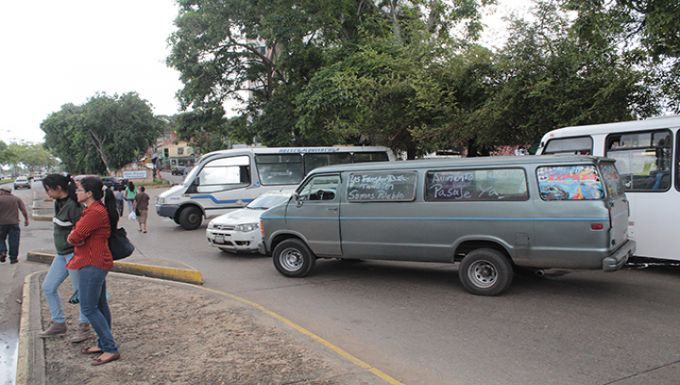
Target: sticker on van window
[568, 183]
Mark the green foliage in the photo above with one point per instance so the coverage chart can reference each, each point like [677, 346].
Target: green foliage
[102, 135]
[30, 157]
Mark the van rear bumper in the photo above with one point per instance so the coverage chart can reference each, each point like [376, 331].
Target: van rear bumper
[617, 260]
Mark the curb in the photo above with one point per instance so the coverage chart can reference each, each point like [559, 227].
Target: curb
[169, 273]
[31, 352]
[40, 218]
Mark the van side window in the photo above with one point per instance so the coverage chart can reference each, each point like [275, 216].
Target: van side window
[284, 169]
[582, 145]
[677, 161]
[476, 185]
[382, 186]
[569, 183]
[224, 174]
[320, 188]
[643, 159]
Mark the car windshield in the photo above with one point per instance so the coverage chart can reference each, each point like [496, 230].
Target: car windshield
[264, 202]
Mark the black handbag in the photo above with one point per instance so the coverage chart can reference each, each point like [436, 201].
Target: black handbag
[120, 245]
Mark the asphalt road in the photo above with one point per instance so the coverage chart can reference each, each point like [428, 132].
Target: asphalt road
[416, 322]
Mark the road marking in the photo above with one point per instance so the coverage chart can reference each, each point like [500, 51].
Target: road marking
[338, 350]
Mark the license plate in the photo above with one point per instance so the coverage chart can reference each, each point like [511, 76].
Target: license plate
[219, 239]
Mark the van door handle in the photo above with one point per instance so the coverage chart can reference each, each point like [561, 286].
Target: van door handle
[332, 209]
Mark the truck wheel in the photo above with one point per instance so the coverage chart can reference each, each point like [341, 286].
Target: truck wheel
[485, 272]
[293, 258]
[190, 218]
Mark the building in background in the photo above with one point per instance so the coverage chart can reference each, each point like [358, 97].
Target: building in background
[174, 155]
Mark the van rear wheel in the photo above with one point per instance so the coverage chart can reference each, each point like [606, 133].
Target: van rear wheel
[293, 258]
[190, 218]
[485, 272]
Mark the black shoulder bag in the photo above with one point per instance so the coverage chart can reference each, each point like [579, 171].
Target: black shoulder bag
[120, 245]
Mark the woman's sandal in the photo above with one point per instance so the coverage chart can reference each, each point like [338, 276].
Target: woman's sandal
[91, 350]
[99, 361]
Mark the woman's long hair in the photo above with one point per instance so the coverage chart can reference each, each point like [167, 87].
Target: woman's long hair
[65, 183]
[131, 186]
[96, 187]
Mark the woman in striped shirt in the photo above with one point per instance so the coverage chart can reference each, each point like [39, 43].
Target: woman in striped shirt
[92, 258]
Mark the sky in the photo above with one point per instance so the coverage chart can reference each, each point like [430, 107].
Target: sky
[59, 52]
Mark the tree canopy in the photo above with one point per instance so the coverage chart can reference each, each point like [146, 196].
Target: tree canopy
[103, 134]
[408, 74]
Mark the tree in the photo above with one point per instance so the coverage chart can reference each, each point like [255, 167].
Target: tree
[102, 135]
[552, 74]
[274, 56]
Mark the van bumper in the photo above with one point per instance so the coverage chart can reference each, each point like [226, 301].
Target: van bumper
[617, 260]
[167, 210]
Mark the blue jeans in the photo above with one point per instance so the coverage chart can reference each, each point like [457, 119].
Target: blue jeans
[92, 291]
[130, 204]
[13, 232]
[55, 276]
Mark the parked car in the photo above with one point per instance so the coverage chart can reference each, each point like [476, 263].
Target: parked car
[179, 170]
[22, 182]
[491, 214]
[239, 230]
[114, 182]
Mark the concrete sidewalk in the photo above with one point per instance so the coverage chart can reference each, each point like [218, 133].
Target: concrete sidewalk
[171, 332]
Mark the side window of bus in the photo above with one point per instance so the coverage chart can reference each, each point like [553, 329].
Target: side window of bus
[313, 161]
[677, 161]
[370, 157]
[582, 145]
[224, 174]
[643, 159]
[283, 169]
[320, 188]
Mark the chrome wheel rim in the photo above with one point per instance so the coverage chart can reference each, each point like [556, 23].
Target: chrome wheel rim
[291, 259]
[483, 274]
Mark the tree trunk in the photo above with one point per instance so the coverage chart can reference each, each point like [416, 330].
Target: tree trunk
[99, 145]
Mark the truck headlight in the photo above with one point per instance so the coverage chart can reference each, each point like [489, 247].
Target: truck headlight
[246, 227]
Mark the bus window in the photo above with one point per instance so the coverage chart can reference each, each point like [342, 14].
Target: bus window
[283, 169]
[642, 158]
[582, 145]
[677, 161]
[224, 174]
[313, 161]
[370, 157]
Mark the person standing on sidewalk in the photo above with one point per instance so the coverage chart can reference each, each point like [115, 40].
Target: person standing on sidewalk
[142, 208]
[93, 260]
[130, 194]
[67, 211]
[10, 205]
[120, 199]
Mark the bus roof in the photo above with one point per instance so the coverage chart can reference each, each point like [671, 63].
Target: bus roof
[484, 161]
[606, 128]
[297, 150]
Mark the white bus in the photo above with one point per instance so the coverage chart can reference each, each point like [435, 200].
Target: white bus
[227, 180]
[647, 154]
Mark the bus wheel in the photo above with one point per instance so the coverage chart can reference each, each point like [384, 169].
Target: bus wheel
[293, 258]
[190, 218]
[485, 272]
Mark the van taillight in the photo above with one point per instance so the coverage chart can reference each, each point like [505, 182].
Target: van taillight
[262, 228]
[597, 226]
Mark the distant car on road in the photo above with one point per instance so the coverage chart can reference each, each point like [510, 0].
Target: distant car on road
[239, 230]
[21, 182]
[179, 170]
[114, 182]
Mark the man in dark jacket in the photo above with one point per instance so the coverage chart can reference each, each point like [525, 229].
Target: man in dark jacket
[10, 206]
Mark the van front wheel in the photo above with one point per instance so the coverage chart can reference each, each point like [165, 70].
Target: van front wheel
[485, 272]
[293, 258]
[190, 218]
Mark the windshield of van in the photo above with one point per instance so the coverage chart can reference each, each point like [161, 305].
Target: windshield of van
[267, 201]
[612, 180]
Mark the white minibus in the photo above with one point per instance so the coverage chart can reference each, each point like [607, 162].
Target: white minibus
[227, 180]
[648, 159]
